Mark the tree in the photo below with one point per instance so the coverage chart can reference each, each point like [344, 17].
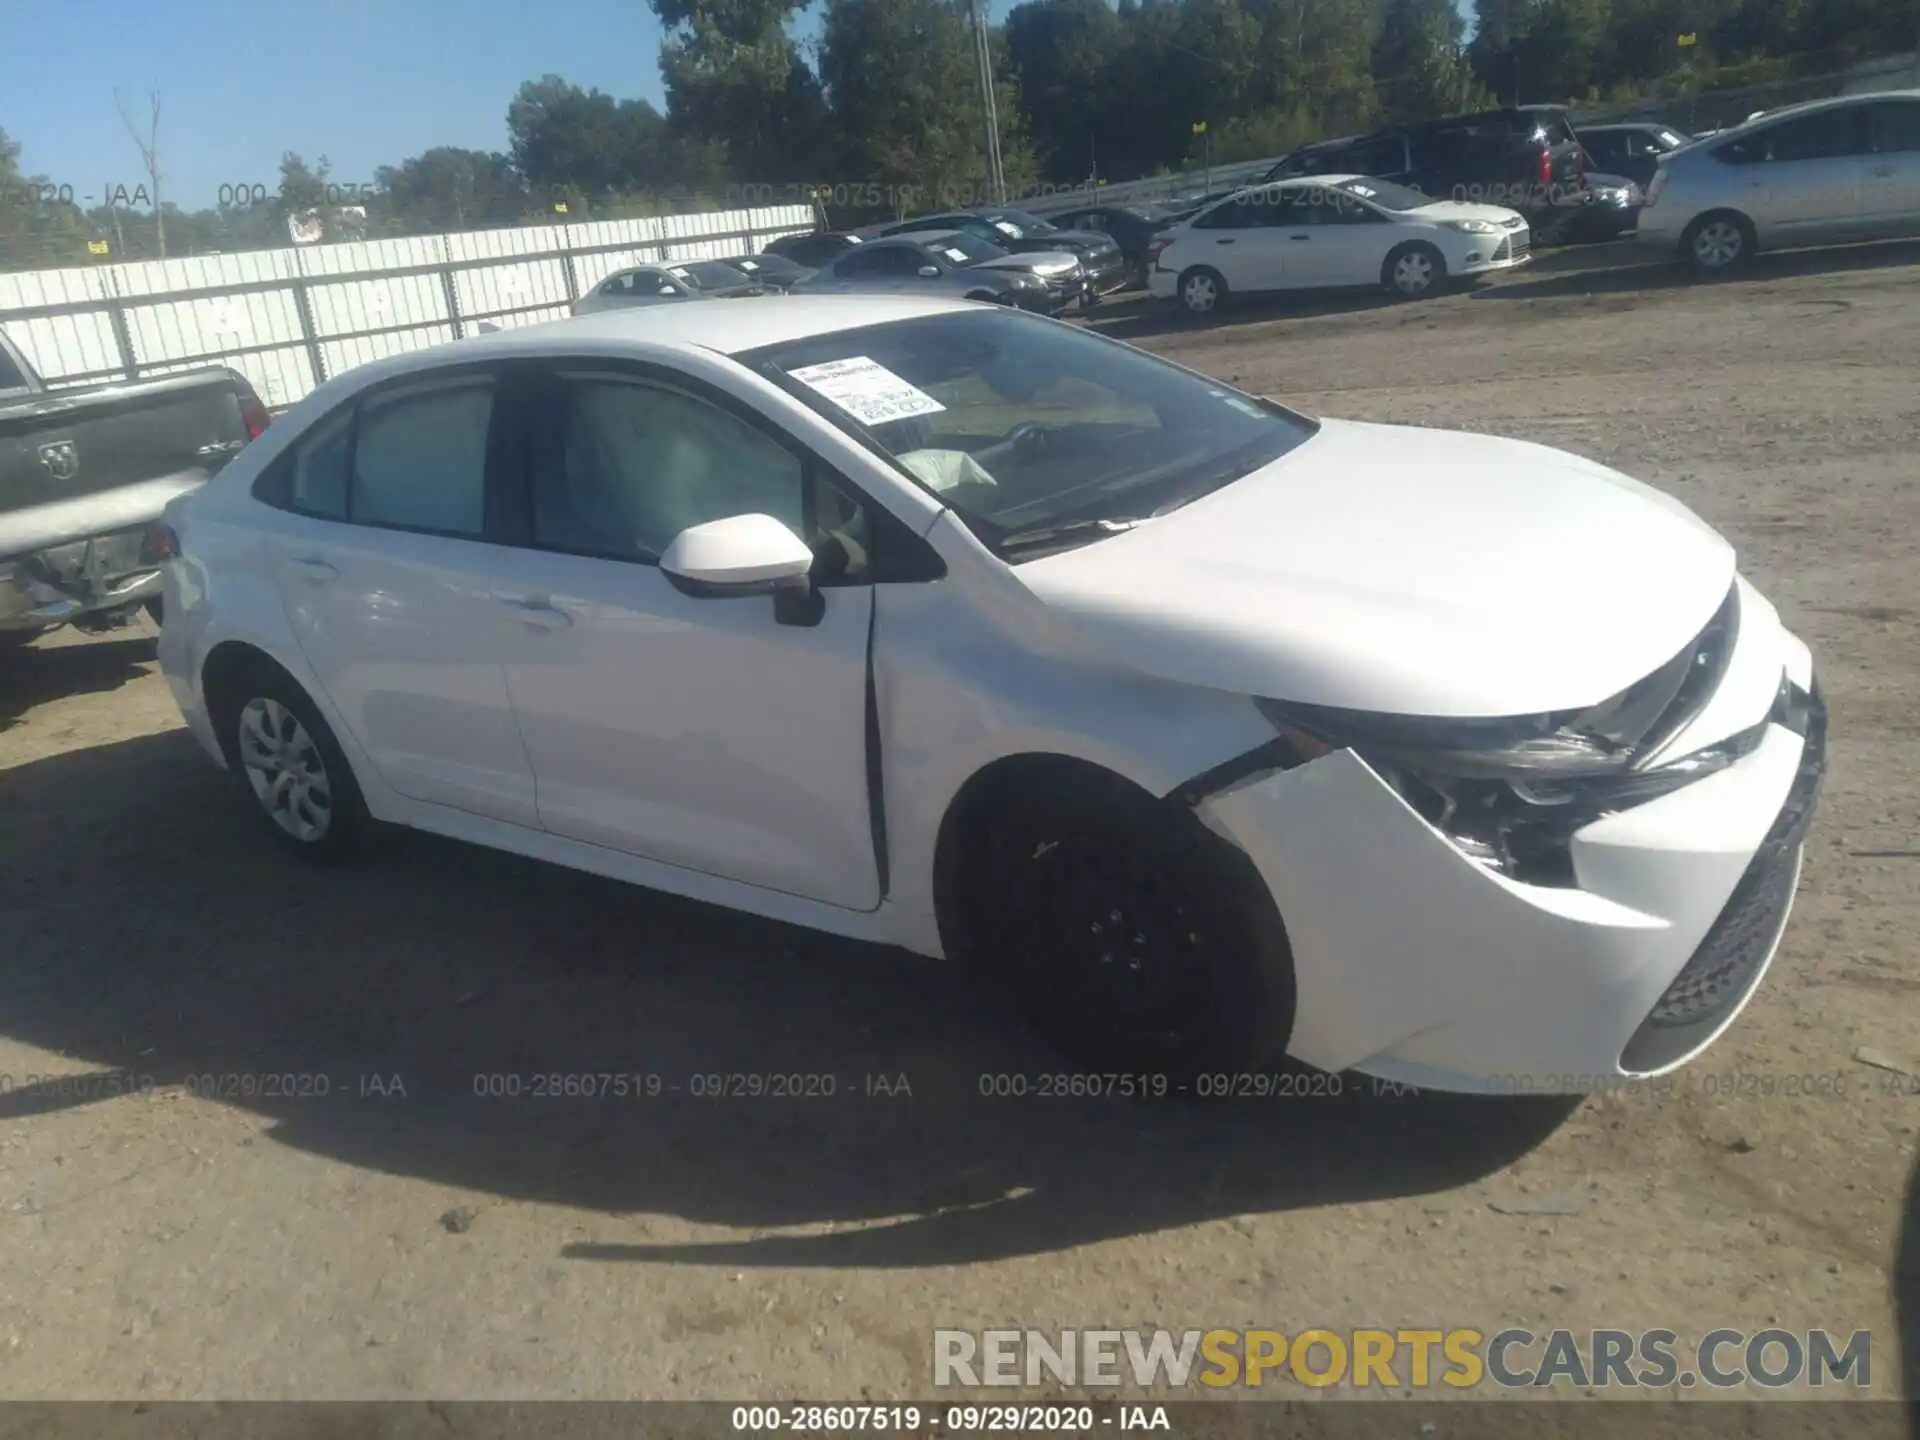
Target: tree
[149, 148]
[448, 188]
[914, 124]
[1418, 61]
[1061, 54]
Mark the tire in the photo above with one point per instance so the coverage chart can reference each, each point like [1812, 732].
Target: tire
[983, 297]
[1414, 271]
[1133, 939]
[1202, 291]
[1718, 243]
[292, 769]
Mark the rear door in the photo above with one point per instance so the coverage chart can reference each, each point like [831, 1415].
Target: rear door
[1804, 179]
[380, 555]
[1891, 196]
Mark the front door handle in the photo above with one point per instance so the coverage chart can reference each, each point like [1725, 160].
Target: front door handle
[1223, 242]
[313, 569]
[1881, 171]
[1299, 237]
[540, 613]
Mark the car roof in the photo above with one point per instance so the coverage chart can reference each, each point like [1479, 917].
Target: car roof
[1809, 107]
[928, 237]
[718, 328]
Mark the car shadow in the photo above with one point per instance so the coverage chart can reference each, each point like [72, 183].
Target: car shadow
[1659, 274]
[395, 998]
[48, 669]
[1143, 319]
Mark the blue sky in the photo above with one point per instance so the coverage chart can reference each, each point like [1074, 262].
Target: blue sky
[364, 82]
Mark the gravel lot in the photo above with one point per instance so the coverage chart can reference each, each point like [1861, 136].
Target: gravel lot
[401, 1236]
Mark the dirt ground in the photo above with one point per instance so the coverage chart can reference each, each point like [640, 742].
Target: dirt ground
[400, 1235]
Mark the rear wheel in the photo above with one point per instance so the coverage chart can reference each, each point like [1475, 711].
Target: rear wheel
[1415, 271]
[1718, 244]
[1202, 291]
[1133, 939]
[301, 784]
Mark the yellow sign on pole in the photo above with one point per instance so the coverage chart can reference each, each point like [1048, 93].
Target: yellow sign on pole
[1692, 37]
[1199, 127]
[559, 207]
[96, 247]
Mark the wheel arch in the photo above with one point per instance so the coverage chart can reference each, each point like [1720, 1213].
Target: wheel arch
[222, 673]
[999, 783]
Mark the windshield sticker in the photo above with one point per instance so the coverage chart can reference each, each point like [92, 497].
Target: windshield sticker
[1245, 407]
[959, 257]
[866, 390]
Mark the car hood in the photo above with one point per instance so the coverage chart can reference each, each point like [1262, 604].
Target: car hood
[1404, 571]
[1441, 210]
[1033, 262]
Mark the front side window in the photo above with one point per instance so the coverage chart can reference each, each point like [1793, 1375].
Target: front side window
[1386, 195]
[634, 464]
[1023, 425]
[420, 462]
[1386, 156]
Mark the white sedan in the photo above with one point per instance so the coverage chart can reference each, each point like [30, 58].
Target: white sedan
[1331, 232]
[1216, 733]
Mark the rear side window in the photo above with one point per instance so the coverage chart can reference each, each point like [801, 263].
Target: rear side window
[1551, 128]
[313, 477]
[421, 461]
[11, 377]
[1896, 129]
[1823, 135]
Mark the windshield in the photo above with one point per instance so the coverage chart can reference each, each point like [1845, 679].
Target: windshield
[963, 249]
[1024, 425]
[711, 274]
[1386, 194]
[1030, 224]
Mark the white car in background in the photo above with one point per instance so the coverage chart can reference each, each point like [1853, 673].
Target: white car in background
[1213, 731]
[1331, 232]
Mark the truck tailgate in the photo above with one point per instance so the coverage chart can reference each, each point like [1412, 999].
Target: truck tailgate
[41, 527]
[63, 445]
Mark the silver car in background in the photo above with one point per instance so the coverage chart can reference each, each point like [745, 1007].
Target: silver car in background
[637, 285]
[1825, 173]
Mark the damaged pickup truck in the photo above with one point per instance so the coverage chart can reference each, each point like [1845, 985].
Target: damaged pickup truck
[84, 471]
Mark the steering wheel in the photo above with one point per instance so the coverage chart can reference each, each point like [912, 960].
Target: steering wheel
[1027, 441]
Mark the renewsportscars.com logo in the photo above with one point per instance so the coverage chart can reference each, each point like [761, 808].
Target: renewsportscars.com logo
[1366, 1359]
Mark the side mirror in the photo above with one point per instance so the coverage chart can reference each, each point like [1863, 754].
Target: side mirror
[740, 555]
[930, 272]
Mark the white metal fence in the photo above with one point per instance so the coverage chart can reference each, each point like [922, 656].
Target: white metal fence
[290, 319]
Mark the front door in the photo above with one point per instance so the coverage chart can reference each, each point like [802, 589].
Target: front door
[706, 733]
[386, 582]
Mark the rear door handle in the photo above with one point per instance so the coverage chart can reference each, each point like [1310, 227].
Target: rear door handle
[1882, 171]
[1223, 242]
[313, 569]
[1299, 237]
[540, 613]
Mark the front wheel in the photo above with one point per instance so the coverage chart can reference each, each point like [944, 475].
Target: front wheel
[301, 783]
[1134, 939]
[1414, 271]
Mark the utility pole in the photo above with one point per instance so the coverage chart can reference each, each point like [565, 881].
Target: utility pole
[995, 174]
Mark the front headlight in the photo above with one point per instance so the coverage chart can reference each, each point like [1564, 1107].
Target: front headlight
[1472, 227]
[1510, 793]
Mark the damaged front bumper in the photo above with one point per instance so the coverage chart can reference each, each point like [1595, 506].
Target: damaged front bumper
[1415, 964]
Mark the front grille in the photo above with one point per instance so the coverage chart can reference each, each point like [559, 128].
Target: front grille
[1520, 245]
[1726, 965]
